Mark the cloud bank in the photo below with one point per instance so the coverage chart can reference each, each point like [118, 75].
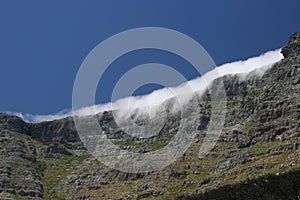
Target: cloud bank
[154, 100]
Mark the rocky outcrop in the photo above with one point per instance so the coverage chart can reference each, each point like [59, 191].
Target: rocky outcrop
[293, 47]
[12, 123]
[19, 171]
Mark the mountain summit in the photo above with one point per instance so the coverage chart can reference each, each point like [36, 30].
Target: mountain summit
[256, 157]
[293, 47]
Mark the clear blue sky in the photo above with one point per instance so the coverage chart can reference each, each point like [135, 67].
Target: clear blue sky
[43, 43]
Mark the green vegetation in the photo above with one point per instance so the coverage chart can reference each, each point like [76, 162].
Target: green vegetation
[247, 126]
[124, 143]
[158, 145]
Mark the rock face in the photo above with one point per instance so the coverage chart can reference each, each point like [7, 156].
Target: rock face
[19, 169]
[293, 47]
[257, 155]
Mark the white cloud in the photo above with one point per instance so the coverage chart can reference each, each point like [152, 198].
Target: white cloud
[153, 101]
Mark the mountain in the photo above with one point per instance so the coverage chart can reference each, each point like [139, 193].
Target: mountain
[257, 155]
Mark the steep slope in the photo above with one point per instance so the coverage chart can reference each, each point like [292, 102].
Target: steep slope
[258, 149]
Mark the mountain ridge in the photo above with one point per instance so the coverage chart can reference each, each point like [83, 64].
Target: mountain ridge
[260, 141]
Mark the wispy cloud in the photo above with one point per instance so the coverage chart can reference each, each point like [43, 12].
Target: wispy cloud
[260, 64]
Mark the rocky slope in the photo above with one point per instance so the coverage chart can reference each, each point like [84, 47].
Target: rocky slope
[256, 157]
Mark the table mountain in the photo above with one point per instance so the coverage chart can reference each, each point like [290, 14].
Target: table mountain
[256, 157]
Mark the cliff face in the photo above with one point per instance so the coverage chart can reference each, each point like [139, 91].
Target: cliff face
[292, 49]
[256, 156]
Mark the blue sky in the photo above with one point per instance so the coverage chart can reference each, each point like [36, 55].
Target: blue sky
[43, 43]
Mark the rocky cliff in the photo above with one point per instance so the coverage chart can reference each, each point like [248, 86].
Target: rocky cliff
[257, 155]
